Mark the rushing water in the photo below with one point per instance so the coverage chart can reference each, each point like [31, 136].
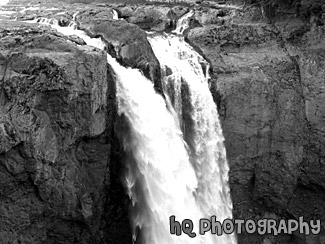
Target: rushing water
[208, 156]
[183, 23]
[164, 176]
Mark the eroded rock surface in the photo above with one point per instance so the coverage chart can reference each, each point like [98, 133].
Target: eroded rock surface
[268, 79]
[129, 42]
[56, 153]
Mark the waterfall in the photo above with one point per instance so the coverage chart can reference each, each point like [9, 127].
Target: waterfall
[165, 177]
[162, 181]
[115, 14]
[183, 23]
[186, 68]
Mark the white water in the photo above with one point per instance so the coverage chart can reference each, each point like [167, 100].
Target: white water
[208, 153]
[161, 179]
[183, 23]
[115, 14]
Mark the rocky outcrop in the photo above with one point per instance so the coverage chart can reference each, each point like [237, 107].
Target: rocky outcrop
[148, 17]
[57, 159]
[130, 44]
[267, 81]
[125, 41]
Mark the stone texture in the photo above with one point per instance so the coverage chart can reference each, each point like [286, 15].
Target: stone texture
[129, 42]
[56, 121]
[149, 18]
[267, 81]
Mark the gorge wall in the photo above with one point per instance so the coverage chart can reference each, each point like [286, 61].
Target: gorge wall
[268, 70]
[60, 163]
[60, 160]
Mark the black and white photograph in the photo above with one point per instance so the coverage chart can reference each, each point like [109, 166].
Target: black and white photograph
[162, 121]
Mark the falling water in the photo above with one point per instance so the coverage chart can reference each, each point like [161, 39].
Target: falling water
[115, 14]
[181, 67]
[183, 23]
[208, 156]
[162, 179]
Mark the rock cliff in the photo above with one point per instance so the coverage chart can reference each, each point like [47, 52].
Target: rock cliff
[268, 78]
[57, 147]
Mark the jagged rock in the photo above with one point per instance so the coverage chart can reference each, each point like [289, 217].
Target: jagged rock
[179, 11]
[207, 16]
[149, 18]
[131, 46]
[76, 39]
[90, 15]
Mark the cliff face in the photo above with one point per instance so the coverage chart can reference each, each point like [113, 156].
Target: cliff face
[57, 146]
[268, 79]
[130, 44]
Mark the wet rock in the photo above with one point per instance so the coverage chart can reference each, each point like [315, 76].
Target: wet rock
[76, 39]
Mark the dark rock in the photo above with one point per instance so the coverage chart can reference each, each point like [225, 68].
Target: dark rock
[179, 11]
[55, 140]
[206, 16]
[130, 44]
[89, 15]
[267, 79]
[149, 18]
[76, 39]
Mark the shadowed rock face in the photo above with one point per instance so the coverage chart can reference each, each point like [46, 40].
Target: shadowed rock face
[56, 132]
[130, 43]
[132, 48]
[268, 78]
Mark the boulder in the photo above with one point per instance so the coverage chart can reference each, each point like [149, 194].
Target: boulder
[130, 45]
[148, 17]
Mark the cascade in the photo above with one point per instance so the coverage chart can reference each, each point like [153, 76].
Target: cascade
[182, 67]
[207, 152]
[115, 14]
[183, 23]
[162, 178]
